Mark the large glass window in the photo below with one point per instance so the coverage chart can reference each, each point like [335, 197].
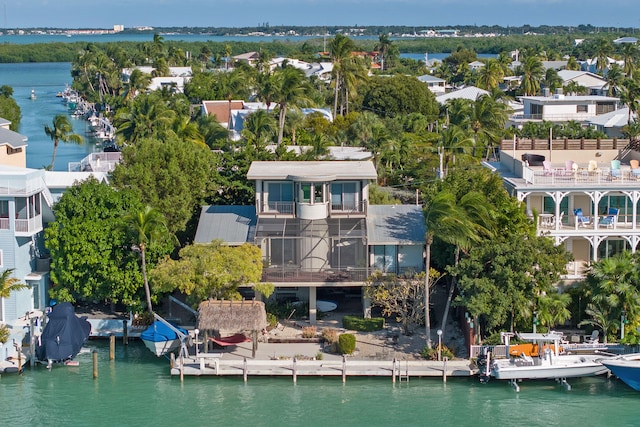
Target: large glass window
[385, 258]
[311, 193]
[280, 196]
[344, 196]
[282, 251]
[611, 247]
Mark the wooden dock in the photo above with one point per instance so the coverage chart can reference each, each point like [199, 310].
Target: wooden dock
[213, 364]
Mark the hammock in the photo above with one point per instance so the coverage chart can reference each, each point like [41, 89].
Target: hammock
[231, 340]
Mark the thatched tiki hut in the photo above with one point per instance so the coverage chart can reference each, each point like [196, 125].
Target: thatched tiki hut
[216, 316]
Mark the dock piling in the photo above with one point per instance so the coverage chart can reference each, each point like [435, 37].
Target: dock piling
[95, 364]
[444, 370]
[244, 370]
[294, 370]
[112, 347]
[125, 333]
[32, 342]
[344, 369]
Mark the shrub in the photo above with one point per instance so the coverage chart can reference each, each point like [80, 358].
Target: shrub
[4, 334]
[309, 332]
[432, 353]
[330, 335]
[355, 323]
[272, 320]
[346, 343]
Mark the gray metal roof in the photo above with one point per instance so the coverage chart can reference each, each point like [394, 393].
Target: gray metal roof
[331, 170]
[395, 225]
[14, 139]
[234, 225]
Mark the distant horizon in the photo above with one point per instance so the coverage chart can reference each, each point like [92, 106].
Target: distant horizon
[100, 14]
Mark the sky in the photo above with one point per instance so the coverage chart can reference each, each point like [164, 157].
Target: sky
[348, 13]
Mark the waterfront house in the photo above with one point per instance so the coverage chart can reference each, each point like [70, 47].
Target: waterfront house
[435, 84]
[584, 194]
[319, 236]
[595, 84]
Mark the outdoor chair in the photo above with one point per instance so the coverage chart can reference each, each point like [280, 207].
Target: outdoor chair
[570, 167]
[593, 166]
[611, 219]
[593, 338]
[581, 219]
[615, 169]
[546, 165]
[635, 168]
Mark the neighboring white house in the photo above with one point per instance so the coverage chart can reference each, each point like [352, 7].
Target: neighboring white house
[471, 93]
[612, 123]
[593, 82]
[176, 79]
[563, 108]
[435, 84]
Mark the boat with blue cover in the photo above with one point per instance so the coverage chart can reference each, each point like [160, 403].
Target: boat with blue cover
[163, 337]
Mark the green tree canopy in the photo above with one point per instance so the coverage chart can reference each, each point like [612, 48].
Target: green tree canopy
[91, 256]
[399, 95]
[206, 271]
[9, 108]
[173, 176]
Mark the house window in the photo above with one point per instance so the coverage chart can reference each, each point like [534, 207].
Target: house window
[344, 196]
[11, 150]
[311, 193]
[280, 196]
[612, 247]
[282, 251]
[582, 109]
[536, 111]
[605, 107]
[385, 258]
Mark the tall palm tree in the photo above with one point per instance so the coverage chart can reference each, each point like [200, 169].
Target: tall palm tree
[533, 71]
[145, 226]
[9, 284]
[553, 309]
[630, 95]
[384, 47]
[138, 82]
[61, 130]
[552, 80]
[446, 221]
[146, 117]
[457, 146]
[614, 79]
[340, 48]
[602, 51]
[630, 55]
[491, 75]
[487, 117]
[293, 88]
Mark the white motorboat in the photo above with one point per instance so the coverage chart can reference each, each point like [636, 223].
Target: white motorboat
[545, 359]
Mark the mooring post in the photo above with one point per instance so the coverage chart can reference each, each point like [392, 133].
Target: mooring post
[19, 359]
[172, 360]
[181, 367]
[244, 370]
[294, 370]
[393, 371]
[32, 342]
[344, 369]
[95, 364]
[112, 347]
[125, 332]
[444, 370]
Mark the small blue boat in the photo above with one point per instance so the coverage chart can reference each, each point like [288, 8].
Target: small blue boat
[625, 367]
[161, 338]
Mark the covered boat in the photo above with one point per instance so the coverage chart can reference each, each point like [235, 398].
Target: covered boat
[625, 367]
[63, 336]
[162, 337]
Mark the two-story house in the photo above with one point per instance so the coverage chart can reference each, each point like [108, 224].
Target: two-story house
[317, 230]
[584, 194]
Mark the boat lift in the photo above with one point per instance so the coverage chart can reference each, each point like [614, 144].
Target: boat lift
[185, 339]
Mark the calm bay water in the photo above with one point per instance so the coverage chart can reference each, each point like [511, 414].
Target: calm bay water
[46, 79]
[136, 389]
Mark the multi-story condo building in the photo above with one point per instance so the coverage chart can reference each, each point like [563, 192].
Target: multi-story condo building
[583, 193]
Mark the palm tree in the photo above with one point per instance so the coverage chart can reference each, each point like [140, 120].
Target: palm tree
[340, 47]
[486, 118]
[61, 131]
[552, 80]
[145, 226]
[138, 82]
[630, 56]
[9, 284]
[600, 317]
[261, 127]
[630, 95]
[491, 75]
[614, 79]
[602, 51]
[446, 221]
[615, 279]
[553, 309]
[572, 64]
[532, 74]
[457, 145]
[383, 46]
[292, 91]
[147, 117]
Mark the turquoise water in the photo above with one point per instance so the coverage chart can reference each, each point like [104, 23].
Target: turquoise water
[136, 389]
[46, 79]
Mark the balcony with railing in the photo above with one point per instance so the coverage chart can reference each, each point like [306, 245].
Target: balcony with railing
[277, 208]
[293, 274]
[28, 226]
[349, 209]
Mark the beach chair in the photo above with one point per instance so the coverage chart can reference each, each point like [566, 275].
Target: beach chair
[635, 168]
[611, 219]
[615, 169]
[546, 165]
[593, 167]
[581, 220]
[570, 167]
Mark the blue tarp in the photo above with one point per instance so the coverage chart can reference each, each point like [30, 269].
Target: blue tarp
[64, 335]
[159, 332]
